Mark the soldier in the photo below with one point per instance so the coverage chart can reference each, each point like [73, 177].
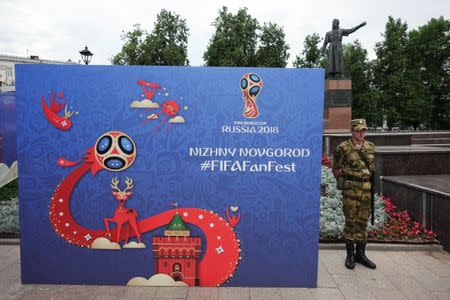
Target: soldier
[354, 161]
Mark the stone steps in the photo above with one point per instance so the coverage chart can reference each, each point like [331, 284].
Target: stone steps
[431, 145]
[430, 140]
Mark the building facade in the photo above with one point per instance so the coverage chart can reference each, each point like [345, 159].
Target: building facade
[7, 70]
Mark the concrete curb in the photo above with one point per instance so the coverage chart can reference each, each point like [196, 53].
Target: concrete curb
[386, 247]
[9, 241]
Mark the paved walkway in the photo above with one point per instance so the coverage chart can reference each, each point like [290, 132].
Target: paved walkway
[400, 275]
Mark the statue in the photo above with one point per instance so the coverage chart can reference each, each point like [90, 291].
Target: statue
[335, 68]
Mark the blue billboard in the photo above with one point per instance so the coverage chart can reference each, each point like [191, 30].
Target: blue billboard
[169, 175]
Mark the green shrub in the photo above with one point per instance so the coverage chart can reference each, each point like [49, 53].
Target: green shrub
[9, 191]
[9, 216]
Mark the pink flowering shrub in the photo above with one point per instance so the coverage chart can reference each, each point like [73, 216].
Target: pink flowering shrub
[400, 226]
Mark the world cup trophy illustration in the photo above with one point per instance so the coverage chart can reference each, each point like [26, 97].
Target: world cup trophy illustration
[251, 85]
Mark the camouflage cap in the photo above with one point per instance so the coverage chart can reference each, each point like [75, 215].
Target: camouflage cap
[358, 124]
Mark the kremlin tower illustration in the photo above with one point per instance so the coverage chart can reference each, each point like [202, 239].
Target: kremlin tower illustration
[177, 254]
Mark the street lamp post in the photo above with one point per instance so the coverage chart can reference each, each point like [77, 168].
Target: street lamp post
[86, 55]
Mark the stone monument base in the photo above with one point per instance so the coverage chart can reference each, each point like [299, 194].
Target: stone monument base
[337, 118]
[338, 104]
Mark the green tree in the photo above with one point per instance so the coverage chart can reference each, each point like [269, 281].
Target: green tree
[165, 45]
[429, 53]
[131, 53]
[396, 82]
[310, 56]
[234, 42]
[365, 97]
[389, 69]
[273, 50]
[418, 104]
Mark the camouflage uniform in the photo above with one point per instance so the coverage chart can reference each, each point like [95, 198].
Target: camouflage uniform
[356, 189]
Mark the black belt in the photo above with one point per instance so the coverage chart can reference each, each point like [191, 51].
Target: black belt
[352, 178]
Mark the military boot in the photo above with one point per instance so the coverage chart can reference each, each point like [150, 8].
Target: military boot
[360, 256]
[350, 259]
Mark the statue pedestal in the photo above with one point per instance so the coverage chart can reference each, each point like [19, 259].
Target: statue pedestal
[338, 104]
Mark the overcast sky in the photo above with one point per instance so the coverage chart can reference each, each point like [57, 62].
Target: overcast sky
[60, 29]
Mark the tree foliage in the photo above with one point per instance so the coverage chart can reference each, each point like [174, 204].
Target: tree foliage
[310, 56]
[273, 50]
[429, 53]
[402, 94]
[365, 97]
[234, 42]
[131, 53]
[390, 68]
[165, 45]
[236, 39]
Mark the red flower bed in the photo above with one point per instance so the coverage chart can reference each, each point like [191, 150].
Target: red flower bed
[400, 226]
[326, 161]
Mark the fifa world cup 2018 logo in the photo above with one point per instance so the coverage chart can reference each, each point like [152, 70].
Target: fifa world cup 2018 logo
[251, 85]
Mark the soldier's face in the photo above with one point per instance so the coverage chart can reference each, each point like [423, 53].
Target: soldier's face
[358, 136]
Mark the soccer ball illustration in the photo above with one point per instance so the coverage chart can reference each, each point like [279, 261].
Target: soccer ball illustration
[115, 151]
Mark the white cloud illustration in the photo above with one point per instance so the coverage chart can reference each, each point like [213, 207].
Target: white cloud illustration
[105, 244]
[156, 280]
[177, 119]
[146, 103]
[134, 245]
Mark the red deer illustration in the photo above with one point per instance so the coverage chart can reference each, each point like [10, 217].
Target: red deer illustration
[123, 214]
